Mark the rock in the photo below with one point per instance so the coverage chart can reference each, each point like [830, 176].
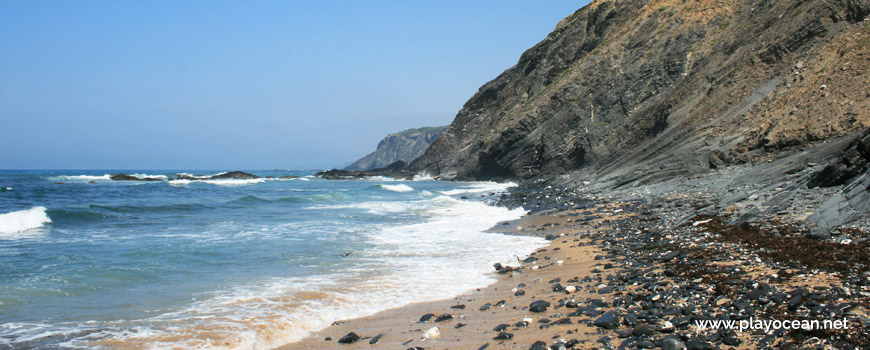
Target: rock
[433, 332]
[503, 336]
[444, 317]
[376, 339]
[485, 307]
[609, 320]
[426, 317]
[538, 345]
[403, 146]
[721, 300]
[820, 233]
[458, 307]
[125, 177]
[237, 175]
[350, 338]
[731, 341]
[570, 289]
[669, 256]
[644, 329]
[501, 327]
[673, 344]
[539, 306]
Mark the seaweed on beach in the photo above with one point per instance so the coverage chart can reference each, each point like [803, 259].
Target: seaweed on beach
[846, 259]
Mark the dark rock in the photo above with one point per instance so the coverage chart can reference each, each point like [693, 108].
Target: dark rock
[669, 256]
[444, 317]
[501, 327]
[350, 338]
[538, 345]
[398, 170]
[503, 336]
[458, 307]
[376, 339]
[625, 333]
[820, 233]
[644, 329]
[484, 346]
[609, 320]
[731, 341]
[125, 177]
[539, 306]
[426, 317]
[485, 307]
[238, 175]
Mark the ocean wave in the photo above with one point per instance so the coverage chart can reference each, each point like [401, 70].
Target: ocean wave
[396, 188]
[143, 176]
[406, 265]
[481, 187]
[104, 177]
[149, 208]
[23, 220]
[62, 216]
[251, 199]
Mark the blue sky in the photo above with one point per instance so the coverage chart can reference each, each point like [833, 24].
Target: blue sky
[243, 85]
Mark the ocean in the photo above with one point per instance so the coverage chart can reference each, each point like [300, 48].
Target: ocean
[88, 262]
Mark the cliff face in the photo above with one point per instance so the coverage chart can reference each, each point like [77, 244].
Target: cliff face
[630, 91]
[404, 145]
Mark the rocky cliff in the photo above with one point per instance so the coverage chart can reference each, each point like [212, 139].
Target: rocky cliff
[403, 146]
[634, 91]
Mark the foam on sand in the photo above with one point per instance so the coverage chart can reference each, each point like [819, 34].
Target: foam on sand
[23, 220]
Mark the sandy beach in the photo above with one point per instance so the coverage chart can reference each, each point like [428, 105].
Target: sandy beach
[469, 327]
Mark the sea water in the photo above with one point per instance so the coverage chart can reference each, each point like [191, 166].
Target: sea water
[88, 262]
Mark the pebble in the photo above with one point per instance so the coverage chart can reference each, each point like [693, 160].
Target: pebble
[350, 338]
[539, 306]
[433, 332]
[609, 320]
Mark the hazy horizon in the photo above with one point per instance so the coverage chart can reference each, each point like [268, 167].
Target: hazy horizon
[223, 85]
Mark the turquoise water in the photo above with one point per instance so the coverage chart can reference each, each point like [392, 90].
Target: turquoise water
[90, 262]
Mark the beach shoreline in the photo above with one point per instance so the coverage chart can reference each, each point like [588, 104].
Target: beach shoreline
[469, 327]
[620, 259]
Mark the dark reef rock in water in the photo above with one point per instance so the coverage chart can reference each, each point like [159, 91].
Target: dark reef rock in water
[239, 175]
[398, 170]
[125, 177]
[232, 175]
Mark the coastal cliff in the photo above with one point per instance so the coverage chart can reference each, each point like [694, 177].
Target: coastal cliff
[405, 146]
[636, 91]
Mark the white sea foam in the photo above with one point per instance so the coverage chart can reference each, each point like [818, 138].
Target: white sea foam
[423, 177]
[480, 187]
[142, 176]
[397, 188]
[81, 177]
[22, 220]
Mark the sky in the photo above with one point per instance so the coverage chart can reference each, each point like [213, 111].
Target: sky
[244, 84]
